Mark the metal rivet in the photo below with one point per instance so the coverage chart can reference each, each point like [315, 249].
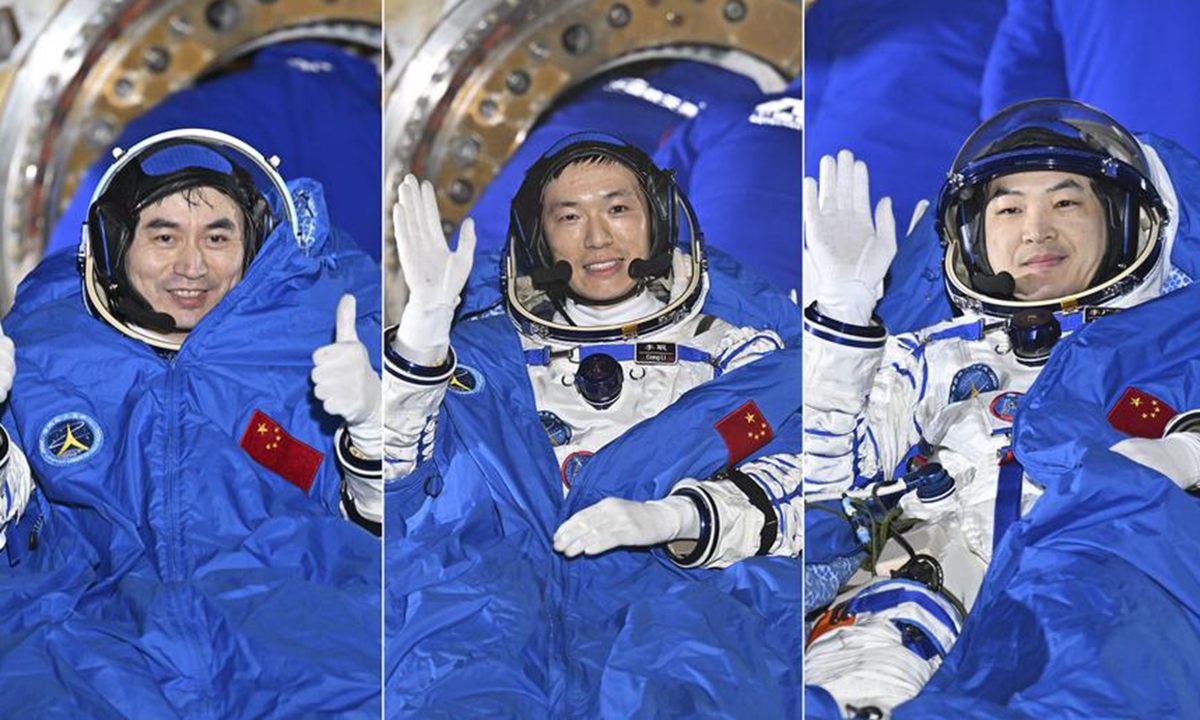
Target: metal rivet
[100, 132]
[156, 59]
[461, 191]
[466, 151]
[619, 15]
[123, 87]
[735, 11]
[221, 15]
[538, 50]
[517, 82]
[577, 39]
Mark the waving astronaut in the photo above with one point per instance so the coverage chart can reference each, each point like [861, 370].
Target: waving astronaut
[604, 278]
[1052, 215]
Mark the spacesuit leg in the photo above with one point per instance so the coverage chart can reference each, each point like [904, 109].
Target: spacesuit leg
[881, 647]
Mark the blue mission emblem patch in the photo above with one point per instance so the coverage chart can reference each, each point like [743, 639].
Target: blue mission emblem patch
[973, 380]
[558, 431]
[466, 380]
[70, 438]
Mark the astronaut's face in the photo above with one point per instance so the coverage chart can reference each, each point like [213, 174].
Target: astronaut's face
[1047, 229]
[595, 217]
[187, 254]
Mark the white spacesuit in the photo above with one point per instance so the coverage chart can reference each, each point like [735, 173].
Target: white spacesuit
[605, 351]
[884, 415]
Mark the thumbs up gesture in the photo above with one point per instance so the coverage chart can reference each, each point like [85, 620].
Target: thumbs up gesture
[347, 385]
[435, 274]
[8, 364]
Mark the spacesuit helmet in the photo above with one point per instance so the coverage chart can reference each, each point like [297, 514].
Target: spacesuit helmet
[537, 285]
[1060, 136]
[152, 170]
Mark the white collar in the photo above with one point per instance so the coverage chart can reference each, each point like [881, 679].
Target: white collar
[640, 306]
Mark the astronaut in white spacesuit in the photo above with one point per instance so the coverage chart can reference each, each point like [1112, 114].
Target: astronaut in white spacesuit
[608, 311]
[1052, 214]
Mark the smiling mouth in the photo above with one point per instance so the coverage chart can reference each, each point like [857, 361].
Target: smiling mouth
[189, 298]
[1043, 262]
[602, 267]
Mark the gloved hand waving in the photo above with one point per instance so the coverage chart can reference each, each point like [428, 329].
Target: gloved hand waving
[435, 274]
[848, 253]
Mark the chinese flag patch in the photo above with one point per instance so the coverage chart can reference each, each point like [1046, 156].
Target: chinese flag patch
[744, 430]
[270, 446]
[1140, 414]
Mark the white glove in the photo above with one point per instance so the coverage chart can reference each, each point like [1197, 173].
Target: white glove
[347, 385]
[15, 498]
[434, 274]
[1177, 456]
[850, 254]
[8, 364]
[615, 522]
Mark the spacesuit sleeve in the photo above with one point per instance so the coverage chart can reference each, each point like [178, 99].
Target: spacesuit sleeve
[751, 510]
[861, 390]
[16, 484]
[362, 483]
[412, 395]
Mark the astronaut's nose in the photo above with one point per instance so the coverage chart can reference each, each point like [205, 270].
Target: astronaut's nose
[190, 262]
[1037, 227]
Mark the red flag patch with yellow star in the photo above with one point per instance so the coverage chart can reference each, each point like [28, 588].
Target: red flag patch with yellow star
[744, 430]
[1140, 414]
[270, 446]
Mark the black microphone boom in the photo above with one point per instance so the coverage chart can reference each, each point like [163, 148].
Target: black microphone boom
[657, 265]
[1001, 286]
[557, 274]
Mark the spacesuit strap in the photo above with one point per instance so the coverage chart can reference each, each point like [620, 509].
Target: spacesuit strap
[411, 372]
[1008, 495]
[971, 331]
[353, 515]
[759, 499]
[646, 353]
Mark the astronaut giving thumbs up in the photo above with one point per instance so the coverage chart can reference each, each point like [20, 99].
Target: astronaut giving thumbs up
[348, 387]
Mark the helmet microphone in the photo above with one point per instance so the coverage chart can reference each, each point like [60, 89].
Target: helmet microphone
[655, 266]
[1002, 285]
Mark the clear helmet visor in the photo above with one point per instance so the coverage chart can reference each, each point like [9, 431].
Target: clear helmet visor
[1048, 204]
[150, 171]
